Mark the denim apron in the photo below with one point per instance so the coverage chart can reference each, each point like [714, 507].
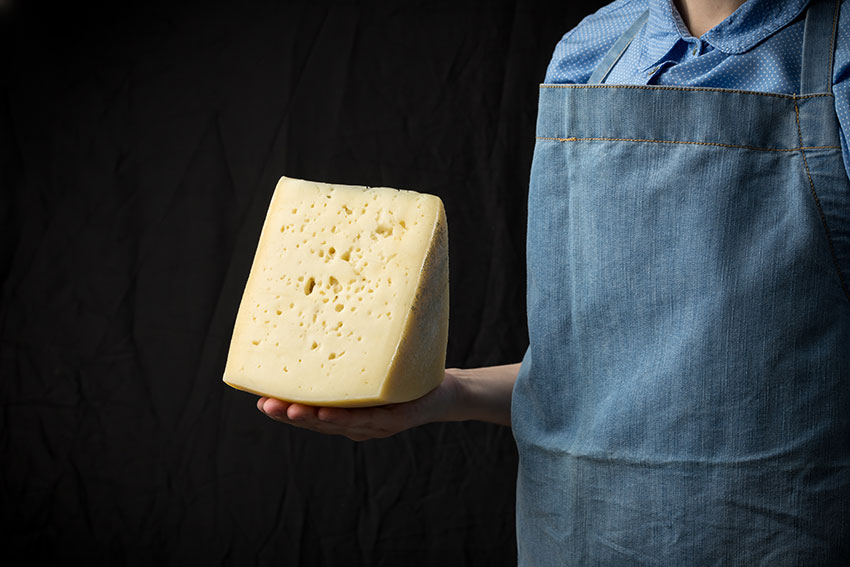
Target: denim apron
[685, 398]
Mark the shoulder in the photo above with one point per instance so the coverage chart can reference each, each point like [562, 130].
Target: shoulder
[582, 48]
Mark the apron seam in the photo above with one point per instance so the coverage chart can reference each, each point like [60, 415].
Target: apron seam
[835, 13]
[690, 89]
[718, 144]
[836, 263]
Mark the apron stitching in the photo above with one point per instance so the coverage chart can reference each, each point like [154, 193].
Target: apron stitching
[844, 285]
[832, 43]
[689, 89]
[718, 144]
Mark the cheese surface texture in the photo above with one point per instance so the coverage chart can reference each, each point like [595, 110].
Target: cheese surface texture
[347, 300]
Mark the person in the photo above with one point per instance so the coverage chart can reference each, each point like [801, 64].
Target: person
[685, 397]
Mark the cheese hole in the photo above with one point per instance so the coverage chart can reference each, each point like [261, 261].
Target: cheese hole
[314, 346]
[346, 255]
[308, 287]
[255, 342]
[294, 211]
[331, 251]
[321, 253]
[332, 356]
[338, 307]
[278, 311]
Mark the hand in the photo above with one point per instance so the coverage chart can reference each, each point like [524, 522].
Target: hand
[361, 424]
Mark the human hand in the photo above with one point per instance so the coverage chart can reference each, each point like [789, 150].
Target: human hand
[361, 424]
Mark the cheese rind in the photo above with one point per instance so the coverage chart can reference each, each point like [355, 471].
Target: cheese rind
[347, 300]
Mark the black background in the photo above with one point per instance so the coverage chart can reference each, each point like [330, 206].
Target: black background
[140, 143]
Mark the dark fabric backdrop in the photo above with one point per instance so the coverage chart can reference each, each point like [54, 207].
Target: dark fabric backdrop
[140, 145]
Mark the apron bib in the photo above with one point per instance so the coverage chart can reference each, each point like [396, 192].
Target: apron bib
[685, 398]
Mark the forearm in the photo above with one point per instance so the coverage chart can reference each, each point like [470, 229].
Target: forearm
[483, 394]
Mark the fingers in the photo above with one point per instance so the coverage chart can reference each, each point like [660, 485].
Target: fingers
[357, 424]
[273, 408]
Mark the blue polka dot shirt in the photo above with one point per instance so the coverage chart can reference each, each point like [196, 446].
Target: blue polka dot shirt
[757, 48]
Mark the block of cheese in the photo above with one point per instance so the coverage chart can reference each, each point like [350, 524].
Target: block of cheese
[347, 301]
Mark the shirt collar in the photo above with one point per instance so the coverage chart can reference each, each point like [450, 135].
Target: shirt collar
[752, 22]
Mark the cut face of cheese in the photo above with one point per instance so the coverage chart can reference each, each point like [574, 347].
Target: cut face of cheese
[347, 301]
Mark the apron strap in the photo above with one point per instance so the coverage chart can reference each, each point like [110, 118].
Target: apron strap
[819, 33]
[616, 51]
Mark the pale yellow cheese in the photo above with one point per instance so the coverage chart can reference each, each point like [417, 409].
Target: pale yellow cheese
[347, 301]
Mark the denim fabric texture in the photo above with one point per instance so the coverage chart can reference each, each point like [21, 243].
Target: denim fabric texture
[757, 49]
[685, 398]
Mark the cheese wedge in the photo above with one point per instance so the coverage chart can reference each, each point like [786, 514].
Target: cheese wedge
[347, 302]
